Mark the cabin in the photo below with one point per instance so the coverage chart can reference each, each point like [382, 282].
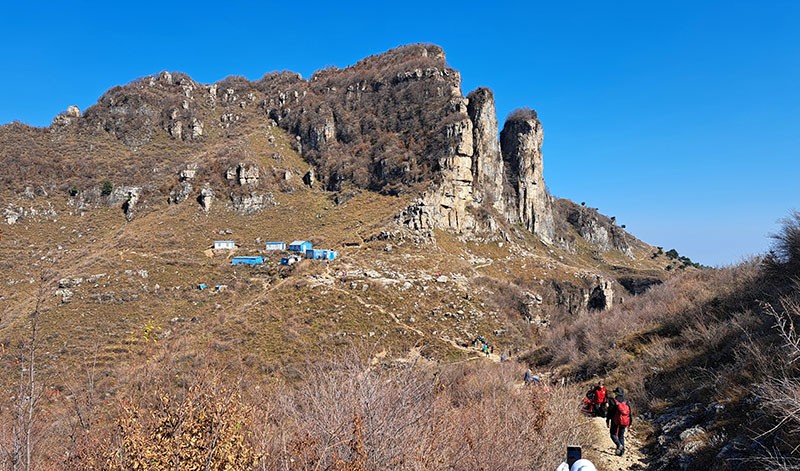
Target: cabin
[316, 254]
[301, 246]
[272, 246]
[321, 254]
[224, 244]
[247, 260]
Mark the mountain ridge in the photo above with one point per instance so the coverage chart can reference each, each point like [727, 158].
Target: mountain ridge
[317, 156]
[460, 169]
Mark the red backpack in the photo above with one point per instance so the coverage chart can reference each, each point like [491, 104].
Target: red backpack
[623, 415]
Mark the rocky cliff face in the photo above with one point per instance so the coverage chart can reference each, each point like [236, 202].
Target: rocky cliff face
[479, 176]
[395, 123]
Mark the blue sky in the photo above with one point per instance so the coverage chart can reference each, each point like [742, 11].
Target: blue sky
[682, 118]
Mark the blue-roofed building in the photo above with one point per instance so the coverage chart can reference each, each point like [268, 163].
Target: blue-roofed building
[247, 260]
[280, 246]
[321, 254]
[316, 254]
[301, 246]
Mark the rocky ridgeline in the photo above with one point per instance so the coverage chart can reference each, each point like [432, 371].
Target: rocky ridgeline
[395, 123]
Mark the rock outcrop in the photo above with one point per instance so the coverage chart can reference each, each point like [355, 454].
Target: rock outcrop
[66, 118]
[244, 175]
[206, 198]
[250, 203]
[129, 197]
[185, 187]
[487, 164]
[594, 293]
[483, 177]
[449, 201]
[529, 202]
[600, 231]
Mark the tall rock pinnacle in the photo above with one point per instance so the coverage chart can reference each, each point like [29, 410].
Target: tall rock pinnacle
[487, 162]
[521, 145]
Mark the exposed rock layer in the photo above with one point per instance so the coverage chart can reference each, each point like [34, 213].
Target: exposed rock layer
[395, 123]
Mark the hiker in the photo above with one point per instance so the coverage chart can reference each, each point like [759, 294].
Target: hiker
[589, 401]
[618, 419]
[529, 378]
[600, 393]
[575, 462]
[579, 465]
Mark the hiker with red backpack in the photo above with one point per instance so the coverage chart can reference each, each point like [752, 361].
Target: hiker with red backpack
[600, 399]
[618, 419]
[589, 402]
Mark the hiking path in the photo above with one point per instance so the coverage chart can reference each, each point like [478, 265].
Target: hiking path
[603, 449]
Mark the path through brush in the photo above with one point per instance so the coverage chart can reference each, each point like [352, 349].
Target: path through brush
[603, 448]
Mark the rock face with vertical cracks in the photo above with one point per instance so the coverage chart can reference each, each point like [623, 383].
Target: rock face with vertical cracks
[528, 201]
[487, 164]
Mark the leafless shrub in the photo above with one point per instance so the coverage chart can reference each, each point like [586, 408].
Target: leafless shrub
[786, 328]
[784, 258]
[506, 296]
[521, 114]
[351, 414]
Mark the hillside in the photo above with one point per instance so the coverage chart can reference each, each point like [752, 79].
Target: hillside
[709, 359]
[444, 230]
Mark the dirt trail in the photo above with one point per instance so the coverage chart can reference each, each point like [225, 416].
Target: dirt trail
[603, 449]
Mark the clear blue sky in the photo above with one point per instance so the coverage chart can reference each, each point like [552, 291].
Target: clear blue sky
[681, 118]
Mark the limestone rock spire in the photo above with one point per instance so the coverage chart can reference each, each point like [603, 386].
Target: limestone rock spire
[487, 162]
[529, 203]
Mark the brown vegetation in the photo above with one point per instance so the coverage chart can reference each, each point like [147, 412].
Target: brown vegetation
[351, 414]
[722, 339]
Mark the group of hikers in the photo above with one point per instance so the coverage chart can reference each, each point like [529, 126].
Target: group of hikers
[616, 410]
[484, 346]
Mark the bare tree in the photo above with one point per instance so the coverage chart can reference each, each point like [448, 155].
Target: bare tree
[30, 391]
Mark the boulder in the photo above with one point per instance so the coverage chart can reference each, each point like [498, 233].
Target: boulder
[206, 198]
[309, 178]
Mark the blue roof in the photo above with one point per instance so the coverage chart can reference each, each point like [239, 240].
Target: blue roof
[247, 260]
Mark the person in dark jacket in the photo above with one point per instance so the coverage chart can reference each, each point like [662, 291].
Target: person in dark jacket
[618, 418]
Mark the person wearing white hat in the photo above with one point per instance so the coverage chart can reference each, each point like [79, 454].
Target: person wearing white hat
[575, 462]
[580, 465]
